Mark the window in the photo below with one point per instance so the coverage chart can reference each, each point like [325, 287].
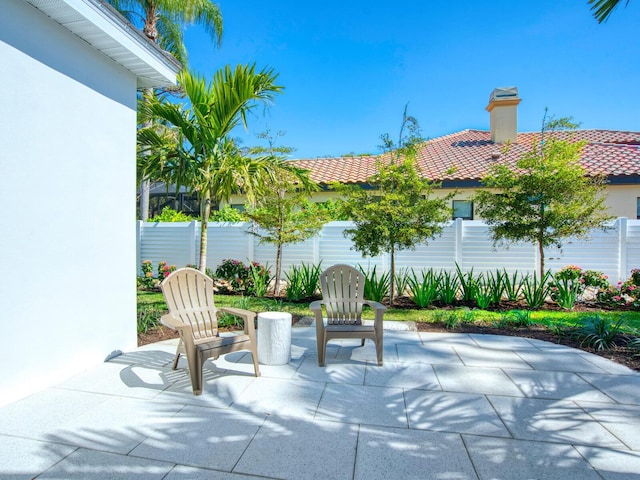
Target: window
[463, 209]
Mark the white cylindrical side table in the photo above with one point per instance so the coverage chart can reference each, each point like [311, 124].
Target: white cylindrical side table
[274, 338]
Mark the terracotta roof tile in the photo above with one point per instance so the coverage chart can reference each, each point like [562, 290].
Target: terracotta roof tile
[467, 155]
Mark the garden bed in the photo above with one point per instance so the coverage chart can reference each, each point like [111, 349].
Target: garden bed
[619, 353]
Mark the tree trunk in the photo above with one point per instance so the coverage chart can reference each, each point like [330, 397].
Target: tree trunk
[281, 194]
[276, 291]
[393, 275]
[541, 255]
[145, 187]
[205, 212]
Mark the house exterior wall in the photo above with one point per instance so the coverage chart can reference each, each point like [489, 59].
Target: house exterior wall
[621, 199]
[67, 166]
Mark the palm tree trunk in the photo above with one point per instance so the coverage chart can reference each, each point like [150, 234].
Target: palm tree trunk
[205, 212]
[145, 187]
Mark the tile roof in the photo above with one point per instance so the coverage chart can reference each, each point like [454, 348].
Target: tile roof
[467, 155]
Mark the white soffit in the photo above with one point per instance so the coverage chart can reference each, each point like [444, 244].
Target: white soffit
[101, 26]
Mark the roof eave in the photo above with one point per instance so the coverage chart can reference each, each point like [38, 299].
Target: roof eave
[102, 27]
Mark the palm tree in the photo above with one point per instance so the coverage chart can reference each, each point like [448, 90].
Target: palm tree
[602, 8]
[162, 22]
[201, 154]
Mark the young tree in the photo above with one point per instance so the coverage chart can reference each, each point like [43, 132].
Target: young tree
[547, 197]
[282, 209]
[203, 157]
[398, 212]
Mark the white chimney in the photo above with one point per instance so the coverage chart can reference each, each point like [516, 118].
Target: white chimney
[503, 108]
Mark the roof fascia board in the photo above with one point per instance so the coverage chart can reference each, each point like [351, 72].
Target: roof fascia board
[107, 21]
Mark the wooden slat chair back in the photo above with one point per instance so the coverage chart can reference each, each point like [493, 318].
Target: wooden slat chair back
[342, 289]
[192, 312]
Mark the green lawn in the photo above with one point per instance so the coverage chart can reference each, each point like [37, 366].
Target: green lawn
[151, 305]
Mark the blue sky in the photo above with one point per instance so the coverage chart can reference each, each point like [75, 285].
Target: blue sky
[349, 67]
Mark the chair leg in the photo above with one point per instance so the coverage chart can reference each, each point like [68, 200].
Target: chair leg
[254, 355]
[322, 346]
[175, 361]
[195, 371]
[379, 350]
[177, 357]
[322, 352]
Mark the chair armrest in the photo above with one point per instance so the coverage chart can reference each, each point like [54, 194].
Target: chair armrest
[316, 305]
[173, 323]
[375, 305]
[247, 316]
[379, 310]
[316, 309]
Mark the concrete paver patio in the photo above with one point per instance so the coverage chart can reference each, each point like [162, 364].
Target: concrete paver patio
[449, 406]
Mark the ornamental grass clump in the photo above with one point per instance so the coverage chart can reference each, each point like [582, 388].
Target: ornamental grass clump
[375, 287]
[534, 290]
[302, 282]
[423, 290]
[598, 332]
[448, 288]
[512, 286]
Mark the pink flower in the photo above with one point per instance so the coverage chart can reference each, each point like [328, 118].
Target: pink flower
[617, 298]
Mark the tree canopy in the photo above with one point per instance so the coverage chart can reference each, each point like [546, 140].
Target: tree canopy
[397, 212]
[546, 197]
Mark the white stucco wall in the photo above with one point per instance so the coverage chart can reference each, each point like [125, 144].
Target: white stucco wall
[67, 170]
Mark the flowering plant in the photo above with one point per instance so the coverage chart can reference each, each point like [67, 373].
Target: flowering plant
[239, 277]
[148, 281]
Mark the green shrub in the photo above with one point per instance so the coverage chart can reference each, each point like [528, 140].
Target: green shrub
[227, 214]
[168, 214]
[593, 278]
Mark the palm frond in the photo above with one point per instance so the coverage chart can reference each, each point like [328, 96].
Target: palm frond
[602, 9]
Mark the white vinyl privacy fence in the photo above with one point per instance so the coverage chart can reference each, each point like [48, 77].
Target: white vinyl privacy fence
[466, 242]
